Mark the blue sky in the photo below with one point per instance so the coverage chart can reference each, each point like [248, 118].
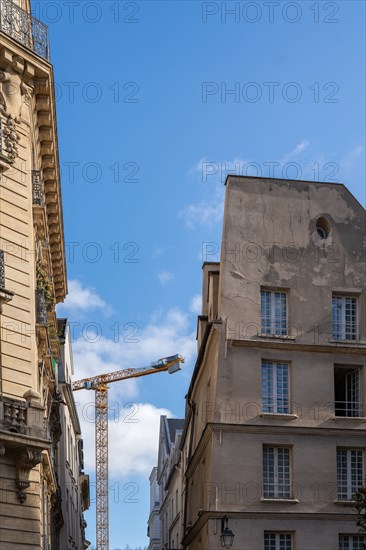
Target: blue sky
[148, 129]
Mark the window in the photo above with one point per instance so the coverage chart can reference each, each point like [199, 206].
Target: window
[349, 472]
[347, 391]
[344, 318]
[273, 312]
[276, 472]
[351, 542]
[322, 228]
[277, 541]
[275, 387]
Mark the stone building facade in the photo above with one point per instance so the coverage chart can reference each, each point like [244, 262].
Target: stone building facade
[165, 520]
[32, 282]
[73, 482]
[275, 431]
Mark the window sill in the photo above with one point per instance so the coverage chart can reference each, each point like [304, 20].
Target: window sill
[351, 418]
[280, 500]
[345, 502]
[276, 336]
[280, 416]
[356, 342]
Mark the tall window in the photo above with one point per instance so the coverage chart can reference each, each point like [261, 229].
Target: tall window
[276, 472]
[277, 541]
[349, 472]
[275, 387]
[273, 312]
[344, 318]
[351, 542]
[347, 391]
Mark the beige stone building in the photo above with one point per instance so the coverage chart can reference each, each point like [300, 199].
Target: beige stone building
[32, 281]
[73, 482]
[275, 431]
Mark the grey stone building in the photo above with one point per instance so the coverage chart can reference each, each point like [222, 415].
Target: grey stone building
[165, 520]
[273, 447]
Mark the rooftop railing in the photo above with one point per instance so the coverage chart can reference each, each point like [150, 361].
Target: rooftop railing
[24, 28]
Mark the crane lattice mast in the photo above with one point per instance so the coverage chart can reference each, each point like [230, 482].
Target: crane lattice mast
[100, 385]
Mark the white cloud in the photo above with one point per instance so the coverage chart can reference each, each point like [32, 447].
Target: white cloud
[195, 305]
[133, 436]
[81, 298]
[295, 153]
[133, 445]
[207, 212]
[351, 157]
[165, 277]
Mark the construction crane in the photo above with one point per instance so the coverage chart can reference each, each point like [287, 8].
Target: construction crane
[100, 385]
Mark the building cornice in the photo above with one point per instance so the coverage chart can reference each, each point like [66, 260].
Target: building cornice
[36, 75]
[212, 428]
[207, 515]
[277, 343]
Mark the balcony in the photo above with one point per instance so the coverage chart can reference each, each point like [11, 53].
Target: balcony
[21, 417]
[5, 295]
[37, 188]
[24, 28]
[349, 409]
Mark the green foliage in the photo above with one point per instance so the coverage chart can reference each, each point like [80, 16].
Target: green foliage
[43, 281]
[360, 506]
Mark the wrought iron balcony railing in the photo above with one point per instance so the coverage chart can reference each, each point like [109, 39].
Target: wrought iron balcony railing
[353, 409]
[41, 308]
[37, 188]
[2, 269]
[24, 28]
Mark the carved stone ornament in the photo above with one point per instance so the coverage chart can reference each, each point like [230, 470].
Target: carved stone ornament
[9, 138]
[12, 97]
[27, 459]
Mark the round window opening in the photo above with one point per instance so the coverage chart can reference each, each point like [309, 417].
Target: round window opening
[322, 228]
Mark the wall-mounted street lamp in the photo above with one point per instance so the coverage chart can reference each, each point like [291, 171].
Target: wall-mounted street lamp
[227, 536]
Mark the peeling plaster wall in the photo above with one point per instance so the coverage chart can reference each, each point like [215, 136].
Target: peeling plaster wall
[270, 240]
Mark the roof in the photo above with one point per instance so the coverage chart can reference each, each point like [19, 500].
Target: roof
[175, 424]
[298, 182]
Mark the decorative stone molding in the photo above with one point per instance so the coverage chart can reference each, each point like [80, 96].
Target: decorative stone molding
[27, 459]
[26, 82]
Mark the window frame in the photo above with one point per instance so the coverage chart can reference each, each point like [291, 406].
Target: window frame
[277, 535]
[269, 325]
[350, 490]
[342, 334]
[270, 400]
[353, 536]
[352, 408]
[276, 490]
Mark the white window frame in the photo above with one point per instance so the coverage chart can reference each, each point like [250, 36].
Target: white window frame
[280, 487]
[274, 399]
[277, 541]
[271, 323]
[341, 328]
[351, 542]
[354, 465]
[352, 406]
